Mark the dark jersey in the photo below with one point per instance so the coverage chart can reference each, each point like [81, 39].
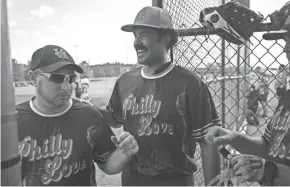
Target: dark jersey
[277, 133]
[168, 113]
[60, 149]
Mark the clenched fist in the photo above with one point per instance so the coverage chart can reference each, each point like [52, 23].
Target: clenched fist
[126, 143]
[219, 136]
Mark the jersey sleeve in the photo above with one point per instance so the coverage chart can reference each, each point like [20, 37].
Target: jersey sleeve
[99, 137]
[203, 114]
[115, 104]
[268, 130]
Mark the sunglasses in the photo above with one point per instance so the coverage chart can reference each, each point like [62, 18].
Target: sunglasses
[59, 78]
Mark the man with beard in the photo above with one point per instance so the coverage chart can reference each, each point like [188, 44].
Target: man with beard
[60, 136]
[166, 107]
[264, 159]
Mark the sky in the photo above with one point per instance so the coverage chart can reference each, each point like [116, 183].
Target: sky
[88, 29]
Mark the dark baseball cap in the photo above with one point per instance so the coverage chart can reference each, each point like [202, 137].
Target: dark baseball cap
[152, 17]
[50, 58]
[276, 35]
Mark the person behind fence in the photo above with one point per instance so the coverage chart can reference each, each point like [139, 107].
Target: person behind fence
[85, 84]
[252, 107]
[78, 88]
[263, 87]
[61, 137]
[168, 108]
[281, 80]
[264, 159]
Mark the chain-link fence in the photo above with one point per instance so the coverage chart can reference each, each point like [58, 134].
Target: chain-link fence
[228, 69]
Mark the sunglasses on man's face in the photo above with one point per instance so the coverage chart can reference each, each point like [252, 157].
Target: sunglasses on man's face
[59, 78]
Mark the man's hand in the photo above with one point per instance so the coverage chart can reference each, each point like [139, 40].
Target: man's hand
[219, 136]
[247, 168]
[126, 143]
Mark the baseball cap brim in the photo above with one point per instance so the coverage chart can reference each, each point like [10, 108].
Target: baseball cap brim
[131, 27]
[53, 67]
[275, 35]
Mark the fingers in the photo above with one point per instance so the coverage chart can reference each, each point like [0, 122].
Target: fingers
[131, 148]
[222, 140]
[126, 143]
[211, 134]
[242, 179]
[114, 140]
[247, 167]
[125, 139]
[218, 135]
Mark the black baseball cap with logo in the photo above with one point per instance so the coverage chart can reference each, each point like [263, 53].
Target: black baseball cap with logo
[50, 58]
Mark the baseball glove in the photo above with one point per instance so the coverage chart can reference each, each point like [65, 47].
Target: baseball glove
[279, 17]
[232, 21]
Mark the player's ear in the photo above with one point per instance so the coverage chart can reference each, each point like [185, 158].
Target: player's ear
[166, 39]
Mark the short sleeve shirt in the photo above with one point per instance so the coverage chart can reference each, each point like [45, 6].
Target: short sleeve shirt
[168, 114]
[60, 150]
[277, 133]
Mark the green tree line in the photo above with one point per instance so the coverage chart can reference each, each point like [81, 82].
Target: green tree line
[20, 71]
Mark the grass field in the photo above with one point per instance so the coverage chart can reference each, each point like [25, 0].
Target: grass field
[100, 93]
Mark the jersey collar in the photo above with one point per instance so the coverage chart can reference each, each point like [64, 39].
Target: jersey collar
[49, 115]
[158, 74]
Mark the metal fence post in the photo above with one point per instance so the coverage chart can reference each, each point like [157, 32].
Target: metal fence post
[246, 60]
[223, 59]
[10, 157]
[238, 80]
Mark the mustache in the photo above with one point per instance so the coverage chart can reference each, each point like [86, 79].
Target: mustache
[140, 47]
[64, 94]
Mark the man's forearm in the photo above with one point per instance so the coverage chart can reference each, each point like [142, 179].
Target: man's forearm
[283, 178]
[211, 161]
[249, 145]
[115, 163]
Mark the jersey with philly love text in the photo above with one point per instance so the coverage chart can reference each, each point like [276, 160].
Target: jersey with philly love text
[167, 113]
[277, 133]
[60, 149]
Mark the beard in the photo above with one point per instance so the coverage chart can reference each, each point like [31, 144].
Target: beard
[51, 99]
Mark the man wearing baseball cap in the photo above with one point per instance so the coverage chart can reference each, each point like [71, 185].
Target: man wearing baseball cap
[166, 107]
[264, 159]
[61, 137]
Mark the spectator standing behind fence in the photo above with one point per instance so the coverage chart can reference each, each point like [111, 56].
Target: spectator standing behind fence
[264, 159]
[263, 86]
[281, 80]
[85, 84]
[77, 87]
[250, 114]
[60, 136]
